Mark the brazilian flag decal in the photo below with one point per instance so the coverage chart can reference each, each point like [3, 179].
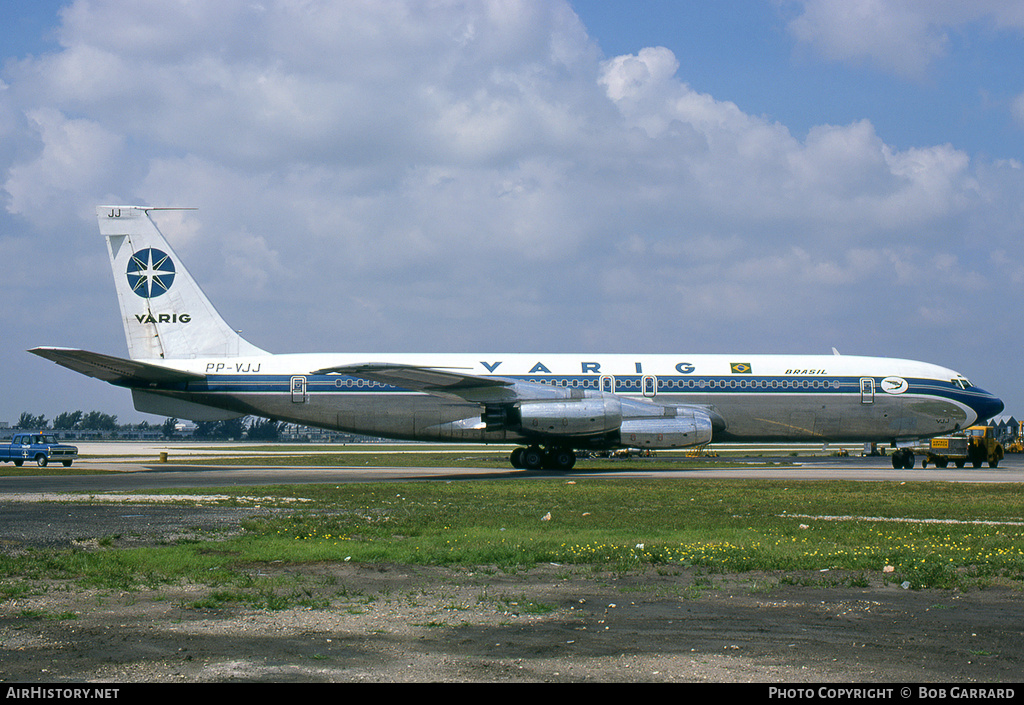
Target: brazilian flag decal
[740, 368]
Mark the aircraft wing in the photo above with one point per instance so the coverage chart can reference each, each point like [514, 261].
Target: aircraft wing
[116, 370]
[432, 380]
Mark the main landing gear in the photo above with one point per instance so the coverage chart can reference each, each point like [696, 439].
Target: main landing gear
[535, 458]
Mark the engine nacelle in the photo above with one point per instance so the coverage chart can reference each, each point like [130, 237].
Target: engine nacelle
[577, 417]
[683, 431]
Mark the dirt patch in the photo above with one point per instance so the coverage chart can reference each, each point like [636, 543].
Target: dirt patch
[393, 623]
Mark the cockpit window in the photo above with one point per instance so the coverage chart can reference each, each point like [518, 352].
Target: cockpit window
[962, 382]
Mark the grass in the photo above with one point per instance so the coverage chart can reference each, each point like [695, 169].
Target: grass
[724, 526]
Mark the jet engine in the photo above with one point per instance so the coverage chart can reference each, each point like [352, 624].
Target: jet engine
[637, 424]
[686, 429]
[578, 417]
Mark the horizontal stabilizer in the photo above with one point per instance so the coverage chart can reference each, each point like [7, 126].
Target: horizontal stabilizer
[149, 403]
[116, 370]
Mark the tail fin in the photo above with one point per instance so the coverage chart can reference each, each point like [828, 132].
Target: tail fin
[164, 312]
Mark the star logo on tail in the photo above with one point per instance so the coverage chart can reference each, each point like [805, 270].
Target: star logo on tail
[150, 272]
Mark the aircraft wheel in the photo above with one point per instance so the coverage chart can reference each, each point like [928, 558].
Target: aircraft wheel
[903, 458]
[517, 458]
[533, 458]
[561, 458]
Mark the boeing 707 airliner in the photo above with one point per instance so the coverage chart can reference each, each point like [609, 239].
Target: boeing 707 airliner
[186, 362]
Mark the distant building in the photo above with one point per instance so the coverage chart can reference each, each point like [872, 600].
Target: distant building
[1005, 428]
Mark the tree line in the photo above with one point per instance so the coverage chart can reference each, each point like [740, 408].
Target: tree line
[247, 427]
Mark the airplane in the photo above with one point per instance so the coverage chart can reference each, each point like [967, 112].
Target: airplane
[186, 362]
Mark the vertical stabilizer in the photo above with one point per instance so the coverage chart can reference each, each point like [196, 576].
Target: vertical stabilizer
[165, 313]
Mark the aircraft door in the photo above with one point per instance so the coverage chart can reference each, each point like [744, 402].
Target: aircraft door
[649, 385]
[298, 387]
[607, 384]
[867, 390]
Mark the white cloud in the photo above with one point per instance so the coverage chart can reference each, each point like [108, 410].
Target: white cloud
[895, 36]
[1017, 109]
[491, 129]
[904, 37]
[74, 155]
[319, 81]
[717, 156]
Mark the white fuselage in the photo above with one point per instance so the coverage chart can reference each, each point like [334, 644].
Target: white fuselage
[760, 397]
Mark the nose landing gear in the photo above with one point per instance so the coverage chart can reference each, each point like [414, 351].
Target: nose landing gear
[903, 458]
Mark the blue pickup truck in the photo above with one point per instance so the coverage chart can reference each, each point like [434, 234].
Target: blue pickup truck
[40, 447]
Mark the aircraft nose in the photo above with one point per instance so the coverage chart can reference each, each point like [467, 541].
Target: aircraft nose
[987, 405]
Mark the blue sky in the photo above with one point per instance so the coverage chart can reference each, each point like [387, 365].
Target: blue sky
[28, 29]
[761, 176]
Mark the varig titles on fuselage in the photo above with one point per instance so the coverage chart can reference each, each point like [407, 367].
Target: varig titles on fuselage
[586, 367]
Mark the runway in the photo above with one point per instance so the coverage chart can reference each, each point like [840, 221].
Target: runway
[135, 467]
